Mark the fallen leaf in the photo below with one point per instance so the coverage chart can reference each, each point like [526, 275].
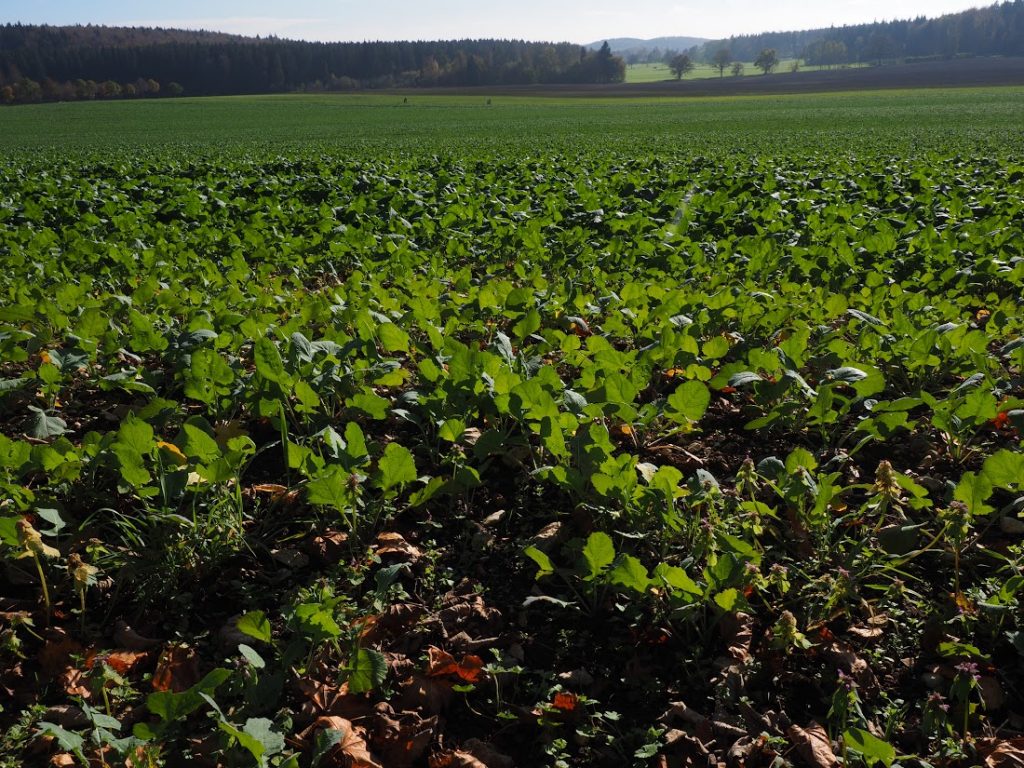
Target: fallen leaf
[351, 751]
[1002, 753]
[428, 695]
[66, 716]
[122, 662]
[395, 546]
[443, 664]
[738, 632]
[328, 547]
[56, 655]
[177, 669]
[400, 739]
[61, 760]
[126, 637]
[813, 745]
[290, 558]
[566, 702]
[487, 754]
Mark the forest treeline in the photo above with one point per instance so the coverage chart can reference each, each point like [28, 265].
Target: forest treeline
[996, 30]
[45, 63]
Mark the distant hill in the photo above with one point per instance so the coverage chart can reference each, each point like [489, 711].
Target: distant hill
[50, 63]
[622, 46]
[996, 30]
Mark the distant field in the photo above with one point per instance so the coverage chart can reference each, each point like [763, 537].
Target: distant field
[431, 122]
[653, 73]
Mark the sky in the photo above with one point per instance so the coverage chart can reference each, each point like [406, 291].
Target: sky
[580, 21]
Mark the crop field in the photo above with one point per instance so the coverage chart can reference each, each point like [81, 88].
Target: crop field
[400, 431]
[652, 73]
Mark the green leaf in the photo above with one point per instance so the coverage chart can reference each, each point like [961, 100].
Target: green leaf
[1004, 469]
[677, 579]
[9, 531]
[689, 402]
[324, 742]
[331, 489]
[544, 565]
[52, 516]
[261, 731]
[136, 435]
[871, 748]
[630, 573]
[367, 670]
[45, 426]
[255, 625]
[451, 430]
[67, 740]
[727, 599]
[392, 338]
[974, 490]
[395, 468]
[249, 653]
[316, 622]
[172, 707]
[374, 406]
[268, 360]
[599, 553]
[196, 443]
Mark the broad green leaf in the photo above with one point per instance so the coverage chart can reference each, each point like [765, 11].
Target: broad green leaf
[367, 670]
[974, 490]
[630, 573]
[392, 338]
[689, 402]
[331, 488]
[544, 565]
[373, 405]
[44, 426]
[268, 360]
[252, 656]
[599, 553]
[255, 625]
[871, 748]
[1004, 469]
[727, 599]
[395, 468]
[172, 707]
[677, 579]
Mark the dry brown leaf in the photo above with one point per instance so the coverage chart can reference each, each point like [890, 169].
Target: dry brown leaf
[443, 664]
[400, 739]
[842, 655]
[992, 696]
[453, 758]
[177, 669]
[62, 759]
[56, 655]
[66, 716]
[428, 695]
[351, 751]
[488, 755]
[328, 547]
[813, 745]
[290, 558]
[1002, 753]
[738, 632]
[126, 637]
[122, 662]
[547, 537]
[394, 546]
[395, 619]
[331, 700]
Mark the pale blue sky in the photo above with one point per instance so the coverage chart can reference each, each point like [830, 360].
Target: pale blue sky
[572, 20]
